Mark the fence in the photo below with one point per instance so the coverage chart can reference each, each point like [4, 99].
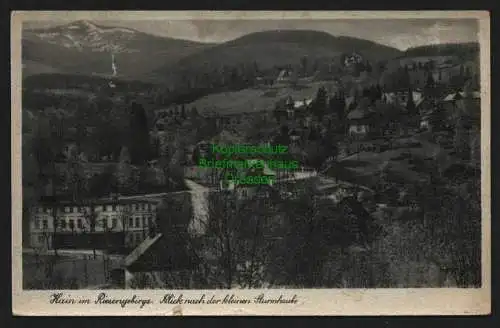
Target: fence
[75, 271]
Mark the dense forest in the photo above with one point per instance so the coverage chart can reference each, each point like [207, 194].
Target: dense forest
[465, 51]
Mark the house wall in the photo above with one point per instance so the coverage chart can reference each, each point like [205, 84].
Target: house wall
[133, 218]
[358, 129]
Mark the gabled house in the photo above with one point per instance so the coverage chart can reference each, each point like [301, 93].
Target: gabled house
[401, 97]
[460, 104]
[294, 136]
[360, 120]
[156, 256]
[284, 75]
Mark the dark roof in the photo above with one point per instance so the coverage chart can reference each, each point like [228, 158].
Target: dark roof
[55, 200]
[162, 253]
[358, 113]
[355, 206]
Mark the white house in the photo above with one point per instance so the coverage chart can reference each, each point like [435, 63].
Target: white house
[359, 125]
[401, 97]
[132, 217]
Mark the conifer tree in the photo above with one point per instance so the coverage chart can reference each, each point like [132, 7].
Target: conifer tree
[410, 105]
[139, 146]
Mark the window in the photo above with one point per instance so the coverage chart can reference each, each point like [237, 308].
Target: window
[75, 209]
[45, 224]
[130, 222]
[149, 207]
[66, 209]
[114, 223]
[70, 209]
[144, 223]
[47, 210]
[109, 208]
[150, 221]
[137, 222]
[80, 224]
[63, 224]
[37, 224]
[114, 207]
[71, 224]
[143, 206]
[40, 238]
[104, 208]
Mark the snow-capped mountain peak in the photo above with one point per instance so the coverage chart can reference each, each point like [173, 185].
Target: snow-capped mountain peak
[84, 34]
[82, 24]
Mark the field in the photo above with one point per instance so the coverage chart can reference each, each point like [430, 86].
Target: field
[255, 99]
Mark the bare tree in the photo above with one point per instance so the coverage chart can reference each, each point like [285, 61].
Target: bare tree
[124, 216]
[234, 248]
[90, 215]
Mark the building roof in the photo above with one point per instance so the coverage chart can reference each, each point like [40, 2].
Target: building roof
[357, 114]
[302, 103]
[141, 249]
[461, 94]
[101, 201]
[160, 253]
[362, 110]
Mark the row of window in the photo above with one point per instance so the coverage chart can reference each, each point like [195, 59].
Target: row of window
[110, 223]
[105, 208]
[137, 238]
[133, 239]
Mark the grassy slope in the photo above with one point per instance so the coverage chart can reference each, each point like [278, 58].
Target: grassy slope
[31, 67]
[254, 99]
[368, 164]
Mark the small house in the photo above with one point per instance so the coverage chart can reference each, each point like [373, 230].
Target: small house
[400, 97]
[294, 136]
[359, 120]
[285, 75]
[425, 122]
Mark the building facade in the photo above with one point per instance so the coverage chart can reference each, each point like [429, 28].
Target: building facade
[64, 224]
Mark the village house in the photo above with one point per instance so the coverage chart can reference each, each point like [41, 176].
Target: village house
[294, 136]
[105, 223]
[360, 120]
[156, 260]
[425, 122]
[400, 97]
[462, 105]
[352, 60]
[285, 75]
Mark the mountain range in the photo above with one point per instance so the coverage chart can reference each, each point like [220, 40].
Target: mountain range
[86, 48]
[83, 47]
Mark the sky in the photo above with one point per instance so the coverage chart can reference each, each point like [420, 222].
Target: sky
[398, 33]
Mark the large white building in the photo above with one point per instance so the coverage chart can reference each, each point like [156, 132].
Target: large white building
[133, 218]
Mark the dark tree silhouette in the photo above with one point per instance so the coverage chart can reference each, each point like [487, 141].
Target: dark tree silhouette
[139, 135]
[320, 103]
[410, 105]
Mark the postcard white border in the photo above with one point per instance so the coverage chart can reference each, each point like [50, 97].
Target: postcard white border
[439, 301]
